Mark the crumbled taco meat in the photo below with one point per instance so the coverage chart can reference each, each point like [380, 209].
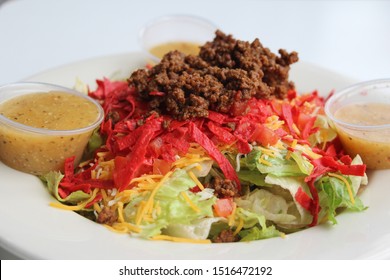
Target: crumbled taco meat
[107, 216]
[226, 236]
[223, 187]
[226, 71]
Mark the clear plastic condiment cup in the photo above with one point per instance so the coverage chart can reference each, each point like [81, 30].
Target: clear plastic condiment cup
[39, 150]
[361, 115]
[175, 28]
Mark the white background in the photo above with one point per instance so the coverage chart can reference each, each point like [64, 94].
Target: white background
[348, 37]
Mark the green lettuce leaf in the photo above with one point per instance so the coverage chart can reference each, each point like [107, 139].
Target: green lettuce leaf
[198, 229]
[52, 181]
[94, 142]
[296, 165]
[303, 164]
[292, 185]
[256, 233]
[176, 213]
[273, 207]
[325, 133]
[334, 194]
[253, 177]
[255, 226]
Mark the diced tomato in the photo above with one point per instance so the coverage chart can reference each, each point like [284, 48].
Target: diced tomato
[305, 124]
[302, 119]
[264, 135]
[161, 166]
[195, 189]
[224, 207]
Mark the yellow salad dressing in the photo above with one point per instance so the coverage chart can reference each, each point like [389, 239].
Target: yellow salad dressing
[185, 47]
[373, 146]
[38, 153]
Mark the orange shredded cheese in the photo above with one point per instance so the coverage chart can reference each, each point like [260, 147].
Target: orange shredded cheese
[239, 227]
[268, 152]
[295, 128]
[196, 180]
[232, 216]
[144, 208]
[77, 207]
[123, 228]
[97, 207]
[264, 161]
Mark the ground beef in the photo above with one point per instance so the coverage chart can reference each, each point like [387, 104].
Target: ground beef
[223, 188]
[225, 71]
[225, 236]
[107, 216]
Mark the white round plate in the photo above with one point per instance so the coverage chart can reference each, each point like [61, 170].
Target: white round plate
[31, 229]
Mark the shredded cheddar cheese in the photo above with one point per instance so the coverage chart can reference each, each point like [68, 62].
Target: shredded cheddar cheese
[239, 227]
[293, 146]
[296, 129]
[145, 177]
[196, 180]
[307, 150]
[120, 212]
[123, 228]
[97, 207]
[232, 216]
[264, 161]
[268, 152]
[146, 206]
[77, 207]
[274, 123]
[294, 143]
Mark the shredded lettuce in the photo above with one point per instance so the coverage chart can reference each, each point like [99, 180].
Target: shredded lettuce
[198, 229]
[253, 177]
[292, 184]
[273, 207]
[255, 226]
[94, 142]
[277, 165]
[334, 195]
[325, 132]
[175, 215]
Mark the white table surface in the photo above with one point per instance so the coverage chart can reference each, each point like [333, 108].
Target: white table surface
[349, 37]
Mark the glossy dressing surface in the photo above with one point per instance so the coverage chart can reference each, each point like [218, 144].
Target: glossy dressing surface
[53, 110]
